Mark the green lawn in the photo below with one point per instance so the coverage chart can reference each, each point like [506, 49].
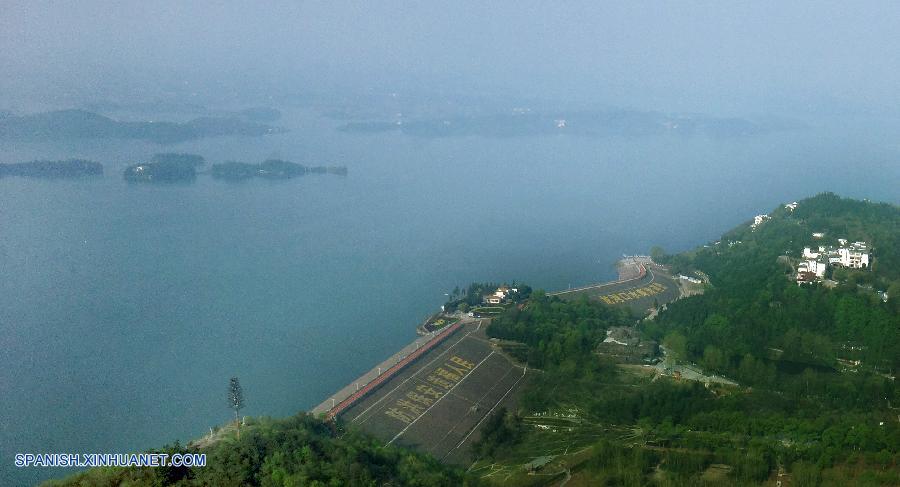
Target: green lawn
[488, 310]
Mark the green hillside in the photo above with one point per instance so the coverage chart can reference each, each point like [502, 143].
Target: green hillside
[816, 401]
[755, 311]
[284, 452]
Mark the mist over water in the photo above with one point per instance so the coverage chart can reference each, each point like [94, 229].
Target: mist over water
[125, 308]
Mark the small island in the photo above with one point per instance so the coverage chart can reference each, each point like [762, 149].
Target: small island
[171, 167]
[70, 168]
[165, 168]
[270, 169]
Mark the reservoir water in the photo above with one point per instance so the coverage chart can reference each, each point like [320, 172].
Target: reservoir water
[124, 309]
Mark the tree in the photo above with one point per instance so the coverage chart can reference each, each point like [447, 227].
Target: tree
[893, 292]
[714, 359]
[236, 399]
[676, 344]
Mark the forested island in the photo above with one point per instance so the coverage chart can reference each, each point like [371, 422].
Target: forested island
[170, 167]
[165, 168]
[74, 124]
[270, 169]
[70, 168]
[811, 397]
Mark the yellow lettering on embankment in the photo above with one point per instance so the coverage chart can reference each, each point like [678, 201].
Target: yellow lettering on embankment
[438, 382]
[632, 294]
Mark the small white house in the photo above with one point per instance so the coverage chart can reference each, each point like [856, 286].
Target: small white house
[758, 220]
[689, 279]
[498, 296]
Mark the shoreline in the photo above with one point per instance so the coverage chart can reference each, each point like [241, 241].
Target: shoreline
[630, 269]
[382, 371]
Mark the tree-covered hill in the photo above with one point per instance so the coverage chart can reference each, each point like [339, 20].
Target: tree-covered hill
[816, 401]
[298, 451]
[754, 311]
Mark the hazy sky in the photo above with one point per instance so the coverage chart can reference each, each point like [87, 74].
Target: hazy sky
[703, 56]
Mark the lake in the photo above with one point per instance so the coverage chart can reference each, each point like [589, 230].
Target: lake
[124, 309]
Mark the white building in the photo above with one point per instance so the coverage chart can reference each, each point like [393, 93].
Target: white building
[758, 220]
[855, 256]
[689, 279]
[791, 206]
[498, 296]
[813, 266]
[817, 267]
[816, 261]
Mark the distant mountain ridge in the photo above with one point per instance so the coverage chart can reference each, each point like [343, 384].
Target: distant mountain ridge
[71, 124]
[525, 122]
